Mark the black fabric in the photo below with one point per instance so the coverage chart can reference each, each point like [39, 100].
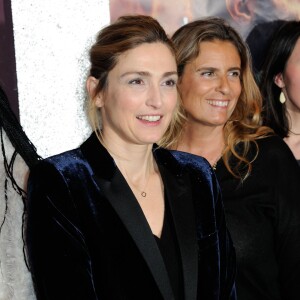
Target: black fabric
[168, 247]
[263, 217]
[88, 239]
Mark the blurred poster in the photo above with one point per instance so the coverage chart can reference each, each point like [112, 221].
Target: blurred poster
[241, 14]
[8, 76]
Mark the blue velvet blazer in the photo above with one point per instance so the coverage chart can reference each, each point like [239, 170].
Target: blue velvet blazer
[87, 237]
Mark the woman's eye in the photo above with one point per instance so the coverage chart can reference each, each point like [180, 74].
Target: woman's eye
[235, 74]
[136, 81]
[207, 73]
[170, 82]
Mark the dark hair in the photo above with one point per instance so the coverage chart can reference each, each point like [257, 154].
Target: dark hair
[244, 125]
[15, 132]
[22, 146]
[259, 41]
[274, 113]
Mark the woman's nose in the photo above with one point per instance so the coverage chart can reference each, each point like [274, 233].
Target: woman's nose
[154, 97]
[223, 85]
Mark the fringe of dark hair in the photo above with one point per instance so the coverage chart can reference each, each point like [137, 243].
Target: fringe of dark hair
[23, 147]
[15, 132]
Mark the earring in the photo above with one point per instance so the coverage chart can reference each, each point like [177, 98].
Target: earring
[282, 98]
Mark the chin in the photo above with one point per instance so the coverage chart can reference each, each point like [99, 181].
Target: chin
[150, 136]
[150, 139]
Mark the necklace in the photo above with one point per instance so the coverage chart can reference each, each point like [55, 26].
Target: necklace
[294, 133]
[214, 166]
[142, 192]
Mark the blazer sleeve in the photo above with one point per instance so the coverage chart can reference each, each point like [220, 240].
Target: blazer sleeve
[225, 248]
[227, 254]
[216, 253]
[58, 257]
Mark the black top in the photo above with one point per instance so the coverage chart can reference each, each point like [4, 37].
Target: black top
[263, 216]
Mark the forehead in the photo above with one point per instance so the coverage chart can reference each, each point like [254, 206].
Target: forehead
[209, 50]
[296, 51]
[148, 55]
[217, 45]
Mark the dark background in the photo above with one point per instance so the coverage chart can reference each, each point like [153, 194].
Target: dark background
[8, 74]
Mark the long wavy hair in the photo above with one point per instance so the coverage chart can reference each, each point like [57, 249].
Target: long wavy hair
[275, 114]
[244, 125]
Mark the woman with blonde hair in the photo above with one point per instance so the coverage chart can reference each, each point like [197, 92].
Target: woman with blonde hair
[257, 172]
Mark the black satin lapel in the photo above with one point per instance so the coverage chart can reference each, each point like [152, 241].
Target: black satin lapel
[123, 201]
[180, 200]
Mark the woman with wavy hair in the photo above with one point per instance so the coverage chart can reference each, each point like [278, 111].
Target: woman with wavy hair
[257, 172]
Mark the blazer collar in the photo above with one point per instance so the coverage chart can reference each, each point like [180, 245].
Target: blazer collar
[179, 197]
[176, 184]
[104, 166]
[98, 157]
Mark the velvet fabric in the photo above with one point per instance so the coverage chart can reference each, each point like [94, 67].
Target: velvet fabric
[88, 238]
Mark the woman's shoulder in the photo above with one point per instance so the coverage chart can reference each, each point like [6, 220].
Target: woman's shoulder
[61, 160]
[68, 164]
[192, 171]
[274, 146]
[274, 150]
[190, 160]
[272, 142]
[183, 162]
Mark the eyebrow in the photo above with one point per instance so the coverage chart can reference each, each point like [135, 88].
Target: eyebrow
[235, 68]
[147, 74]
[216, 69]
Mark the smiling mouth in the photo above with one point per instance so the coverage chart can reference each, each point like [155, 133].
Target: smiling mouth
[149, 118]
[218, 103]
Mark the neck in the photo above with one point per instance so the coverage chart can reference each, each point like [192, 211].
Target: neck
[292, 132]
[294, 116]
[207, 142]
[134, 158]
[137, 169]
[138, 172]
[136, 162]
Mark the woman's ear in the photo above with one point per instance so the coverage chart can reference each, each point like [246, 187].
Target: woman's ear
[278, 80]
[91, 85]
